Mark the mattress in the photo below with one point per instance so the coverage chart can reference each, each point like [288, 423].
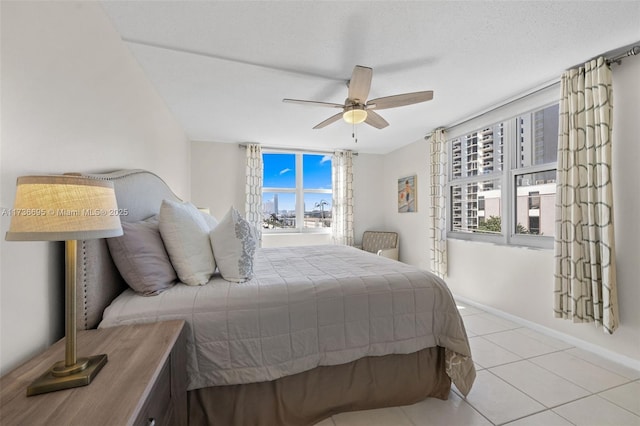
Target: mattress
[306, 307]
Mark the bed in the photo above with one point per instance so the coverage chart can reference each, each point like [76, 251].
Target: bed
[318, 330]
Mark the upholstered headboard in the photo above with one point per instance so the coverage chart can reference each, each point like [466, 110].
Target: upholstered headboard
[139, 193]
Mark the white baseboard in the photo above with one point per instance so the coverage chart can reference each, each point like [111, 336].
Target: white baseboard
[578, 343]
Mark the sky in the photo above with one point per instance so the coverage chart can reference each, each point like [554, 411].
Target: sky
[280, 172]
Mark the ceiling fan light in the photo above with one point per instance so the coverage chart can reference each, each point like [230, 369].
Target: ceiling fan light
[355, 115]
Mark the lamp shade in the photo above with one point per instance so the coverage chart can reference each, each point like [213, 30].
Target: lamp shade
[355, 114]
[60, 208]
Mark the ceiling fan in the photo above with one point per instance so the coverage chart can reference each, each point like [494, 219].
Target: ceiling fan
[356, 109]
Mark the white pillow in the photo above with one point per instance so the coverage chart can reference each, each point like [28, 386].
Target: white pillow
[212, 222]
[234, 245]
[185, 234]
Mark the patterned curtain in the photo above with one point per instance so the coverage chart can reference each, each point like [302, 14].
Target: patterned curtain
[438, 211]
[342, 210]
[253, 201]
[585, 270]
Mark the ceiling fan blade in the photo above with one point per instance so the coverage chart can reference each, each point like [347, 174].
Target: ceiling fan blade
[360, 83]
[400, 100]
[329, 120]
[375, 120]
[313, 103]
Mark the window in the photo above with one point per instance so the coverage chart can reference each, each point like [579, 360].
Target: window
[296, 193]
[476, 204]
[502, 180]
[534, 173]
[534, 200]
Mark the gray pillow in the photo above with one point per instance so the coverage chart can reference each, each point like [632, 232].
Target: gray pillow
[141, 258]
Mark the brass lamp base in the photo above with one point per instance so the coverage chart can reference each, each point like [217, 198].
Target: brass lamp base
[60, 377]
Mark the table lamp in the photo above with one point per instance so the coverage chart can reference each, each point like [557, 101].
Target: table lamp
[65, 208]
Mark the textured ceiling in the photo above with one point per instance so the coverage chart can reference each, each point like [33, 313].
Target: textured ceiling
[223, 68]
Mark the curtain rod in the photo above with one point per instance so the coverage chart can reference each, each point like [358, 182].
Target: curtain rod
[635, 50]
[310, 151]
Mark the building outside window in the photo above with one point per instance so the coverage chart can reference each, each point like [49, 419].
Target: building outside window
[297, 192]
[534, 200]
[502, 180]
[534, 225]
[535, 171]
[476, 202]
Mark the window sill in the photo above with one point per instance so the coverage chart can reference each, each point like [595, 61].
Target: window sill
[280, 239]
[295, 231]
[516, 241]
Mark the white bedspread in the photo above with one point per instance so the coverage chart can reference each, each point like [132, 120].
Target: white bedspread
[306, 307]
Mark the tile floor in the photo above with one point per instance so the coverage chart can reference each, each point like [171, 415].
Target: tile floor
[524, 378]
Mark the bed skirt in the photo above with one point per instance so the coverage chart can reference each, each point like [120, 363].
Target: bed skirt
[309, 397]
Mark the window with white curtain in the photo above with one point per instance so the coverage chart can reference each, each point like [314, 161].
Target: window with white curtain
[297, 192]
[502, 179]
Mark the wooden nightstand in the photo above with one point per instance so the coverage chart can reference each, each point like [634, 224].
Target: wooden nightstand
[143, 382]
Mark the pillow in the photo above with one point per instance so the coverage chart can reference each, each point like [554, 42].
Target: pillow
[212, 222]
[141, 258]
[186, 236]
[234, 244]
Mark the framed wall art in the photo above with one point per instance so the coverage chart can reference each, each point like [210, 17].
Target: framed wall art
[408, 194]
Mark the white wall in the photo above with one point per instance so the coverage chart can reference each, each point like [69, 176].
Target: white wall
[413, 228]
[519, 281]
[626, 193]
[73, 99]
[217, 176]
[368, 194]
